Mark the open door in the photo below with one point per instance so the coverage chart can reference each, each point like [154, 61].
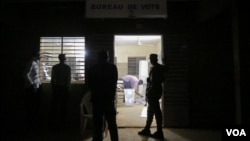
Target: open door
[131, 54]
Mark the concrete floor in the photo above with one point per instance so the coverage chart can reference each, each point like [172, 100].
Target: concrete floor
[170, 134]
[125, 134]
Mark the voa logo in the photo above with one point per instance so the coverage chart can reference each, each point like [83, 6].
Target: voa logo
[236, 132]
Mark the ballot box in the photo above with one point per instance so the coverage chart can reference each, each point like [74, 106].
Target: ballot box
[129, 97]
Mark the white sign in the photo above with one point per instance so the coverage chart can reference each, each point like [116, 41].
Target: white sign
[126, 9]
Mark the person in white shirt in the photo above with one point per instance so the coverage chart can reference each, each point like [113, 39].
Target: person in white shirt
[32, 85]
[32, 80]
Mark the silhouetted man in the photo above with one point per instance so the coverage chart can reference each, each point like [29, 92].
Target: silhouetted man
[102, 83]
[154, 93]
[60, 81]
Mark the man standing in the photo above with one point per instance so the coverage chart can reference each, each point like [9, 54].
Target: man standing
[60, 81]
[102, 83]
[32, 84]
[154, 93]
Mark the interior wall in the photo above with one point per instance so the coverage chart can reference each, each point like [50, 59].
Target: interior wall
[123, 52]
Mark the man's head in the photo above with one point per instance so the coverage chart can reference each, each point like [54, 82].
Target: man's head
[140, 82]
[36, 54]
[103, 55]
[153, 59]
[62, 57]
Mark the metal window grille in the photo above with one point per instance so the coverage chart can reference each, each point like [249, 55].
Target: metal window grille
[133, 65]
[73, 47]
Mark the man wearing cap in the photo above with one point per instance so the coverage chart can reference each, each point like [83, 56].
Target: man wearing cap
[154, 93]
[60, 81]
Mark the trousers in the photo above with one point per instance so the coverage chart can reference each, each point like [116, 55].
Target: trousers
[154, 110]
[102, 112]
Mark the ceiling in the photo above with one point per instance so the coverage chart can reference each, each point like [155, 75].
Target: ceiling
[121, 40]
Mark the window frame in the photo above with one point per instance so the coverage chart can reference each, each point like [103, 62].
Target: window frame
[133, 64]
[73, 47]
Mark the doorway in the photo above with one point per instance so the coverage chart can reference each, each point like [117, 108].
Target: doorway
[131, 55]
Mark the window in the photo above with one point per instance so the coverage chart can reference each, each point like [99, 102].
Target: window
[133, 65]
[73, 47]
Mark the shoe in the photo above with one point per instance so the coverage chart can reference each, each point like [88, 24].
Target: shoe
[144, 132]
[157, 135]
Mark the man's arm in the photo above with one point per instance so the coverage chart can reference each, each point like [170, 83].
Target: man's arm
[136, 92]
[28, 71]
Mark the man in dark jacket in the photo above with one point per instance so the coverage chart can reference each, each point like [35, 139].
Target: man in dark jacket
[102, 82]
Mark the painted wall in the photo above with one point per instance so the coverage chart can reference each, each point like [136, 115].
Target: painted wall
[123, 52]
